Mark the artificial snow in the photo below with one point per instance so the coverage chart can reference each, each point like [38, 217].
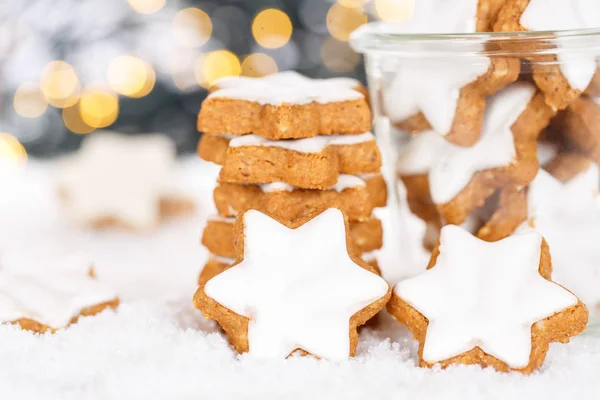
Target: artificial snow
[157, 346]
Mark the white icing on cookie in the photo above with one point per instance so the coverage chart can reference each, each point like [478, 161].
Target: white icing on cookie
[596, 99]
[118, 176]
[52, 297]
[288, 79]
[496, 148]
[344, 182]
[288, 88]
[309, 145]
[420, 154]
[298, 286]
[568, 216]
[485, 295]
[432, 87]
[577, 66]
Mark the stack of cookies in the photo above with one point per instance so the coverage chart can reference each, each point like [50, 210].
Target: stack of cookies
[289, 147]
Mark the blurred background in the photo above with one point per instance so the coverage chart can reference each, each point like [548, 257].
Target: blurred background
[70, 67]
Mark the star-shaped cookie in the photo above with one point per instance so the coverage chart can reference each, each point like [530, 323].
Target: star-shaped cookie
[463, 178]
[121, 181]
[46, 300]
[294, 287]
[566, 73]
[487, 303]
[285, 106]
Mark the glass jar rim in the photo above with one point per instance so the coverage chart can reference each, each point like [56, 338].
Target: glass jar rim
[371, 38]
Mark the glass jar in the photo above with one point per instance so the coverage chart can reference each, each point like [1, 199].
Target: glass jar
[496, 132]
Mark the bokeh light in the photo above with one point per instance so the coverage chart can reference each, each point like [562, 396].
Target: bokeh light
[60, 84]
[272, 28]
[341, 21]
[394, 10]
[98, 106]
[29, 100]
[73, 121]
[131, 76]
[11, 150]
[146, 6]
[258, 64]
[215, 65]
[192, 27]
[338, 56]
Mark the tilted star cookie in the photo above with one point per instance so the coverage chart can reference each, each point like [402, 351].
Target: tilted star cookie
[562, 76]
[448, 97]
[122, 181]
[487, 303]
[286, 106]
[295, 287]
[462, 178]
[46, 300]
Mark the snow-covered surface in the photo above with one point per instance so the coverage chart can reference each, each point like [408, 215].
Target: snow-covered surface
[158, 346]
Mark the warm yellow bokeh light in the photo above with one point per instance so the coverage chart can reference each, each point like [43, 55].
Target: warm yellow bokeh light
[98, 106]
[341, 21]
[394, 10]
[215, 65]
[272, 28]
[353, 3]
[146, 6]
[338, 56]
[258, 64]
[192, 27]
[72, 119]
[60, 84]
[29, 100]
[11, 149]
[131, 76]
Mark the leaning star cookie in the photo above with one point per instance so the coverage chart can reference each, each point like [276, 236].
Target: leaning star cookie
[47, 300]
[461, 179]
[295, 288]
[565, 75]
[312, 163]
[448, 97]
[121, 181]
[298, 108]
[581, 125]
[218, 236]
[289, 203]
[486, 303]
